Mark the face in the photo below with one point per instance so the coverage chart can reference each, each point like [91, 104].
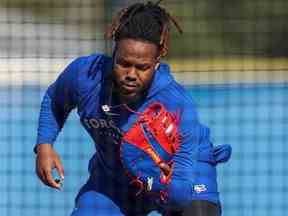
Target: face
[134, 64]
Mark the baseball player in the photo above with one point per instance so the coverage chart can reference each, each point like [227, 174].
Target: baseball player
[152, 154]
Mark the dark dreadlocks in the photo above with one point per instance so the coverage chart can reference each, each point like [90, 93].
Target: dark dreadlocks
[148, 22]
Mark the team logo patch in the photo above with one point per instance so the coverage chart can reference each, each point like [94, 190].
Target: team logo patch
[199, 188]
[105, 108]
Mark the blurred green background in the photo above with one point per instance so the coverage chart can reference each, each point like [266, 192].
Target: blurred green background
[256, 28]
[232, 27]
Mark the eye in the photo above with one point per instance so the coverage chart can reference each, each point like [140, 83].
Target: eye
[123, 63]
[143, 67]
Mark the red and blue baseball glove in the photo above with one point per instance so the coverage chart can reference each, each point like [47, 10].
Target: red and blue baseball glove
[148, 147]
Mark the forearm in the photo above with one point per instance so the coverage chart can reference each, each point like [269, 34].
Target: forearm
[48, 126]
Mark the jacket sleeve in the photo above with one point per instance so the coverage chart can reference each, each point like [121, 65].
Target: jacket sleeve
[194, 175]
[59, 99]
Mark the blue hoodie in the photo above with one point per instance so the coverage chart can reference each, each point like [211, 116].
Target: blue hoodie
[86, 85]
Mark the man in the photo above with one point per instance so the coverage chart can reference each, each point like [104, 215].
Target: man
[109, 93]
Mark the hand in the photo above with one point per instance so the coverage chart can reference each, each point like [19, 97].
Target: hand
[165, 168]
[47, 159]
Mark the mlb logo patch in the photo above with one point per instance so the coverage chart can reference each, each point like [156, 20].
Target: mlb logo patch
[199, 188]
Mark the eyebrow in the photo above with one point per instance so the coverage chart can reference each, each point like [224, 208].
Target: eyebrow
[121, 59]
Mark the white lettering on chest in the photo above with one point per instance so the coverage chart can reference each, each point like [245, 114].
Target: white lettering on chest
[100, 124]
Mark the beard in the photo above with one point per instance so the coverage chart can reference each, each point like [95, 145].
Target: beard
[129, 97]
[126, 96]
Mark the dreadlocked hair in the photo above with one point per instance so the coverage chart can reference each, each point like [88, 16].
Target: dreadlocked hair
[148, 22]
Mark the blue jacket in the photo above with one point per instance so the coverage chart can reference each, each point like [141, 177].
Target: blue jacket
[85, 85]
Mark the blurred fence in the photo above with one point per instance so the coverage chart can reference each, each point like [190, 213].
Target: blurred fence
[233, 57]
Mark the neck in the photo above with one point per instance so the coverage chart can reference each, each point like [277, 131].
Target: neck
[123, 99]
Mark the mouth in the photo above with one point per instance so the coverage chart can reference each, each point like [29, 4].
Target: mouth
[128, 91]
[129, 87]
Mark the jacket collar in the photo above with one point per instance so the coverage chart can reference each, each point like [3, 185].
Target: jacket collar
[162, 78]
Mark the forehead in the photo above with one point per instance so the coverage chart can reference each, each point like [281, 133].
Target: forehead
[131, 48]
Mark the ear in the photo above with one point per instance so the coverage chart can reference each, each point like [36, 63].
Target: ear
[158, 63]
[114, 49]
[157, 66]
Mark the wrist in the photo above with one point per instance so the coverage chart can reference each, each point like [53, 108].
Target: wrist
[42, 147]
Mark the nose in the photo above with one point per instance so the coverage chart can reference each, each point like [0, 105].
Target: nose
[131, 74]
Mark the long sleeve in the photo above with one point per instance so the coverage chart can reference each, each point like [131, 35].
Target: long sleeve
[59, 99]
[48, 127]
[194, 175]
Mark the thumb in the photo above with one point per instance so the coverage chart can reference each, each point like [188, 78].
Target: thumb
[60, 169]
[165, 168]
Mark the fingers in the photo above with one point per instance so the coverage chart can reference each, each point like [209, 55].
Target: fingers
[47, 178]
[40, 174]
[165, 168]
[60, 171]
[49, 181]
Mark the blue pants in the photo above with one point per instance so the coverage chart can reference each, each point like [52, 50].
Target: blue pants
[104, 194]
[107, 196]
